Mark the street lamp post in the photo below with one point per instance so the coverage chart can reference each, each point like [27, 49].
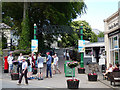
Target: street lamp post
[81, 38]
[35, 27]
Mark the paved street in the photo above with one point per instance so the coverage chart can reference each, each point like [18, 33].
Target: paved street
[58, 80]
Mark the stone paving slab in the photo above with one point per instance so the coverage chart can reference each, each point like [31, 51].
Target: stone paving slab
[58, 80]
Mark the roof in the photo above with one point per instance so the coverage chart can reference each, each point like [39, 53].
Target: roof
[112, 16]
[97, 44]
[4, 26]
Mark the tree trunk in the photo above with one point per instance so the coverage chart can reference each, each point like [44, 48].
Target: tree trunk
[24, 9]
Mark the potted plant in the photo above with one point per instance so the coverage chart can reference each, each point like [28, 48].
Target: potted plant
[81, 70]
[15, 76]
[72, 83]
[92, 77]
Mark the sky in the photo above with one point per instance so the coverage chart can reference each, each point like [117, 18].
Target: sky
[97, 11]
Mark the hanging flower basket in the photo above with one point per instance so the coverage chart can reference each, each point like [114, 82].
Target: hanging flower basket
[81, 70]
[72, 83]
[92, 77]
[72, 64]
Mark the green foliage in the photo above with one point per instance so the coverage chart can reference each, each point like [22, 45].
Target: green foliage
[73, 64]
[86, 28]
[72, 40]
[101, 34]
[43, 14]
[25, 52]
[93, 37]
[24, 38]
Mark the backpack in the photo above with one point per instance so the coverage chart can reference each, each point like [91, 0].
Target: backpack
[28, 61]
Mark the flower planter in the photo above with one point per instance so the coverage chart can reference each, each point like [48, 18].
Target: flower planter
[14, 76]
[72, 84]
[92, 77]
[81, 70]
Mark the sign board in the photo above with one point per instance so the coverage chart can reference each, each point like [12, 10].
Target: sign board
[93, 59]
[81, 45]
[34, 45]
[102, 61]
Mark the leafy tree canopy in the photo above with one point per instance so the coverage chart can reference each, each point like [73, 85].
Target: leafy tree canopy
[101, 34]
[43, 14]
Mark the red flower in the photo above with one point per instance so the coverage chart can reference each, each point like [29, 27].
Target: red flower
[81, 68]
[75, 79]
[72, 80]
[14, 73]
[94, 74]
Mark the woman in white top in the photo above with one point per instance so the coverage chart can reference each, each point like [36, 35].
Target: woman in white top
[110, 69]
[20, 63]
[10, 59]
[55, 64]
[30, 67]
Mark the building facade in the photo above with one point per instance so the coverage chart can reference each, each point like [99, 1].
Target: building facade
[112, 38]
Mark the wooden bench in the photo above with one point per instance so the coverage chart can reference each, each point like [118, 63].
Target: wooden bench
[114, 77]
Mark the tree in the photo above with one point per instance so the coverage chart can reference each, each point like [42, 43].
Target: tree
[43, 14]
[4, 42]
[87, 30]
[93, 37]
[25, 39]
[72, 39]
[101, 34]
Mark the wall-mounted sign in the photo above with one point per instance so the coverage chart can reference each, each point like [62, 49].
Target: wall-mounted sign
[113, 25]
[34, 45]
[114, 33]
[81, 45]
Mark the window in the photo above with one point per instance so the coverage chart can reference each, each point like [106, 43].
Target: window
[115, 42]
[88, 51]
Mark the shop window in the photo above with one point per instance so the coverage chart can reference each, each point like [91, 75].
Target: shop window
[112, 57]
[116, 56]
[115, 42]
[88, 51]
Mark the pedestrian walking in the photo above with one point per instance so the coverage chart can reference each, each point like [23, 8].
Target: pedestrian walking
[40, 61]
[20, 63]
[49, 59]
[67, 56]
[64, 54]
[55, 64]
[24, 72]
[10, 59]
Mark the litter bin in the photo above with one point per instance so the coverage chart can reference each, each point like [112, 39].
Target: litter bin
[5, 64]
[68, 71]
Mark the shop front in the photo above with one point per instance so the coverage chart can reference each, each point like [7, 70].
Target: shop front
[112, 39]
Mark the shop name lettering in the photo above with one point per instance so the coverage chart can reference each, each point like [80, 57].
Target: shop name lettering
[112, 26]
